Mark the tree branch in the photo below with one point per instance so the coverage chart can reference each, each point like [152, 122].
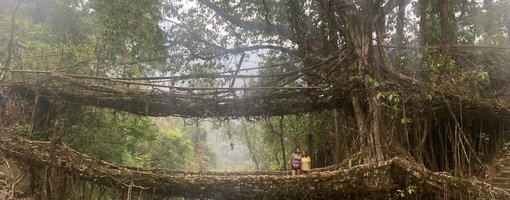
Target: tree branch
[388, 7]
[249, 48]
[248, 25]
[238, 67]
[10, 45]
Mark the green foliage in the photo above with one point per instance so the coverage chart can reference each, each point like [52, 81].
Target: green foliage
[372, 82]
[104, 134]
[304, 131]
[108, 37]
[170, 149]
[126, 139]
[127, 31]
[73, 34]
[258, 150]
[93, 37]
[402, 193]
[391, 100]
[204, 158]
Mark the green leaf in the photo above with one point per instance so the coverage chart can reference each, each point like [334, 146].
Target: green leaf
[379, 95]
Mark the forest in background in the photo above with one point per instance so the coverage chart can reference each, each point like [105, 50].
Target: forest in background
[410, 71]
[89, 38]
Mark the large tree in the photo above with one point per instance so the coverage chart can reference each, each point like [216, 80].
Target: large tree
[420, 79]
[391, 60]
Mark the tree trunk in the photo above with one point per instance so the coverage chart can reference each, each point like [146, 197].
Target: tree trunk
[282, 144]
[423, 4]
[10, 44]
[445, 25]
[400, 30]
[251, 148]
[375, 110]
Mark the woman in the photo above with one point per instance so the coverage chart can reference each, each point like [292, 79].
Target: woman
[306, 162]
[295, 161]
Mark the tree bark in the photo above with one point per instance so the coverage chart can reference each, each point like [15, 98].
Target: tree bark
[423, 32]
[251, 148]
[400, 30]
[282, 144]
[10, 45]
[375, 110]
[446, 32]
[281, 139]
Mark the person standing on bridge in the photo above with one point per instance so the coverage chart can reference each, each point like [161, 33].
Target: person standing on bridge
[295, 162]
[306, 163]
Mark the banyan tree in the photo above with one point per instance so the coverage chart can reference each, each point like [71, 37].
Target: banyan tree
[415, 93]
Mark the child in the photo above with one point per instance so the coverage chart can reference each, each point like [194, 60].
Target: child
[306, 163]
[295, 160]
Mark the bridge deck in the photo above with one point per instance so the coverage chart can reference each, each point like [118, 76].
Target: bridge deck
[332, 182]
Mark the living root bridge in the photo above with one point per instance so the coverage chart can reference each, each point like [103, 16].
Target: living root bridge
[371, 180]
[164, 100]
